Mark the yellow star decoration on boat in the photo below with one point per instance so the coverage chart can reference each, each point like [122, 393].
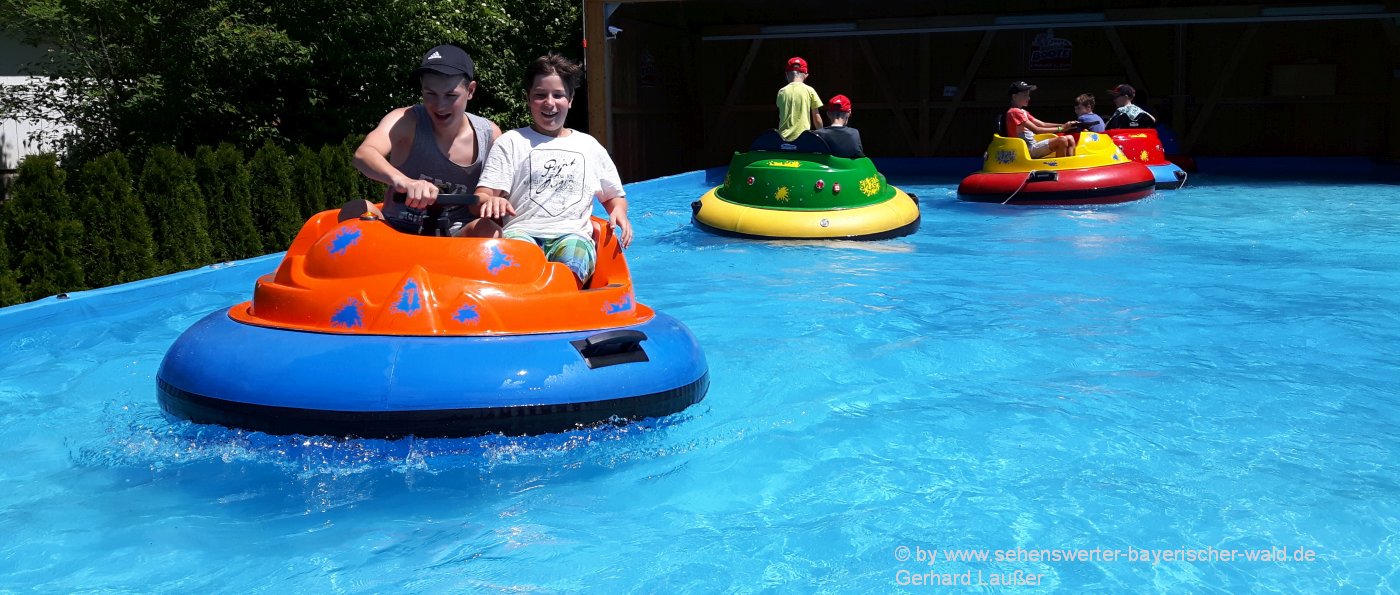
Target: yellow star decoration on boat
[782, 194]
[1143, 156]
[870, 186]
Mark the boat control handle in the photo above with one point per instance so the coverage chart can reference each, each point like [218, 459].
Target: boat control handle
[444, 200]
[611, 348]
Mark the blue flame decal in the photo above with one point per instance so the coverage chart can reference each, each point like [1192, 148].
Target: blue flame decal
[1094, 136]
[1115, 156]
[1005, 156]
[344, 239]
[467, 315]
[499, 260]
[1052, 163]
[622, 306]
[348, 315]
[408, 300]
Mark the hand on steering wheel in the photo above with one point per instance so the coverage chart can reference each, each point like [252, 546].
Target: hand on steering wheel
[418, 194]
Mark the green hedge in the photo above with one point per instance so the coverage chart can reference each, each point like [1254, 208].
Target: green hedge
[74, 226]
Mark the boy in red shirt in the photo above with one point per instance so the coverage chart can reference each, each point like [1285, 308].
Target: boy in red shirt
[1017, 122]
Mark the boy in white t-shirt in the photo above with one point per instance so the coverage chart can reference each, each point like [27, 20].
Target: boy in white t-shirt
[543, 178]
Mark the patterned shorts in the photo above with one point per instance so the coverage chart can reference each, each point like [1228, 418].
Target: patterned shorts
[574, 250]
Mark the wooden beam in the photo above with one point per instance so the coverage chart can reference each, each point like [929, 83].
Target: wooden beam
[595, 57]
[1392, 33]
[973, 66]
[1226, 74]
[883, 83]
[1127, 61]
[925, 90]
[1179, 82]
[733, 96]
[1134, 17]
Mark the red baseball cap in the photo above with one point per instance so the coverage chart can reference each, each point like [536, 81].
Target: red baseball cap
[839, 103]
[796, 64]
[1121, 90]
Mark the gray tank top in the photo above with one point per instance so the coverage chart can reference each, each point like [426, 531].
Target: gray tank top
[427, 162]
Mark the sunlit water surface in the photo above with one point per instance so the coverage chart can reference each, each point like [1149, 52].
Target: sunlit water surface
[1212, 369]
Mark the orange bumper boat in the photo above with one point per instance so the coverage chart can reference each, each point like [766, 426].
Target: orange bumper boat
[367, 332]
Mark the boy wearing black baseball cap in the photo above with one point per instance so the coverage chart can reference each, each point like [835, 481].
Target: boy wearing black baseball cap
[429, 148]
[1128, 115]
[1016, 122]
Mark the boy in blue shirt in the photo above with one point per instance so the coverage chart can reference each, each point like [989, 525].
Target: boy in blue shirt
[1084, 114]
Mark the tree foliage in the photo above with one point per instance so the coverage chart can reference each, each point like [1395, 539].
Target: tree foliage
[341, 181]
[10, 292]
[227, 188]
[176, 210]
[133, 74]
[275, 209]
[117, 242]
[41, 231]
[308, 187]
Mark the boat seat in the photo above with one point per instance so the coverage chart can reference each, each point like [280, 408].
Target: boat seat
[806, 142]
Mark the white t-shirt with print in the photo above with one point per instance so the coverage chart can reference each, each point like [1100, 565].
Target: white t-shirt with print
[551, 180]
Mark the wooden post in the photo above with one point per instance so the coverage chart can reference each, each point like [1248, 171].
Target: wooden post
[925, 91]
[1179, 85]
[883, 83]
[1131, 68]
[1199, 124]
[595, 59]
[1392, 34]
[972, 67]
[722, 122]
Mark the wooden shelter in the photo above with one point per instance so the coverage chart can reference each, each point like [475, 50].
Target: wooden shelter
[685, 83]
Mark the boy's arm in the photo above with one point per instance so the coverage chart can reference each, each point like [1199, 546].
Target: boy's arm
[372, 159]
[492, 203]
[1039, 127]
[617, 215]
[613, 197]
[492, 194]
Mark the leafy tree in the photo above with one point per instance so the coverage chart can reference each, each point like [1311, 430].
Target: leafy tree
[361, 185]
[308, 182]
[10, 292]
[227, 188]
[276, 211]
[117, 242]
[140, 73]
[176, 210]
[41, 229]
[132, 74]
[342, 180]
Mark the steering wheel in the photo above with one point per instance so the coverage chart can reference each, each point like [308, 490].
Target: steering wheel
[443, 200]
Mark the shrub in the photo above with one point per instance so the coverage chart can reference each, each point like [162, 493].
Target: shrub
[275, 210]
[42, 231]
[170, 194]
[308, 182]
[117, 242]
[10, 292]
[342, 180]
[227, 188]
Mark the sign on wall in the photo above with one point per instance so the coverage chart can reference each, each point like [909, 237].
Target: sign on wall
[1051, 53]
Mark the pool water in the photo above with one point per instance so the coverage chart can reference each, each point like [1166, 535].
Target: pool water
[1210, 370]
